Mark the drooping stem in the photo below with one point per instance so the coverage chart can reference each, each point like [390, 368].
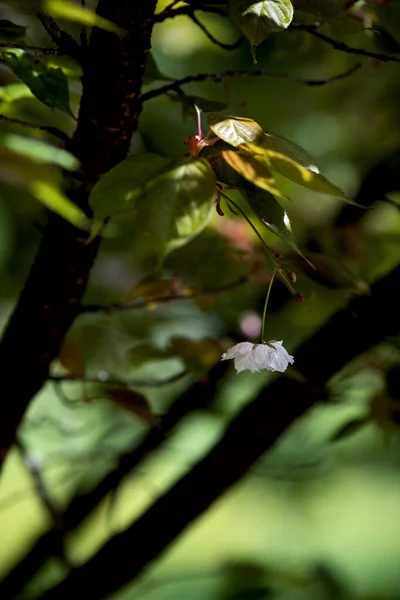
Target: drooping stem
[266, 306]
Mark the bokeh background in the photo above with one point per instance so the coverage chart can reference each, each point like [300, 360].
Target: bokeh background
[316, 518]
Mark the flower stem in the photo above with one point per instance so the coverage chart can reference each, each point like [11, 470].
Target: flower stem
[237, 207]
[277, 268]
[266, 306]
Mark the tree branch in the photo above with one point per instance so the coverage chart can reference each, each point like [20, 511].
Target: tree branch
[27, 48]
[342, 47]
[63, 40]
[170, 12]
[217, 77]
[51, 130]
[197, 397]
[50, 301]
[352, 331]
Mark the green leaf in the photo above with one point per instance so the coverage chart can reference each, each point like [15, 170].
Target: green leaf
[257, 20]
[326, 10]
[48, 84]
[39, 151]
[54, 199]
[294, 171]
[115, 191]
[11, 32]
[176, 205]
[70, 11]
[252, 170]
[170, 199]
[270, 213]
[235, 130]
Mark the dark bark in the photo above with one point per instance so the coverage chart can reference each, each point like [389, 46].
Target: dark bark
[108, 116]
[353, 330]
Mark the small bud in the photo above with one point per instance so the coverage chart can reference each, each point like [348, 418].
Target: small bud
[299, 297]
[292, 276]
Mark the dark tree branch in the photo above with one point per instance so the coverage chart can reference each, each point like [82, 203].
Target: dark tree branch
[63, 40]
[352, 331]
[217, 78]
[170, 12]
[51, 130]
[27, 48]
[198, 396]
[50, 301]
[342, 47]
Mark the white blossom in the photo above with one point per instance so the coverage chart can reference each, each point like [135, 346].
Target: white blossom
[255, 357]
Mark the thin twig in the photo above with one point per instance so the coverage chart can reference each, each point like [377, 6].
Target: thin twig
[213, 39]
[342, 47]
[106, 379]
[169, 12]
[28, 48]
[51, 130]
[217, 77]
[143, 303]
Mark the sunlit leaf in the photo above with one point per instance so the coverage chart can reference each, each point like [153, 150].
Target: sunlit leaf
[294, 171]
[48, 84]
[73, 12]
[252, 170]
[15, 91]
[56, 201]
[145, 353]
[257, 20]
[115, 191]
[330, 11]
[11, 32]
[135, 403]
[39, 151]
[169, 201]
[234, 130]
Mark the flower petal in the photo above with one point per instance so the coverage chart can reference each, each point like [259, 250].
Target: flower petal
[241, 349]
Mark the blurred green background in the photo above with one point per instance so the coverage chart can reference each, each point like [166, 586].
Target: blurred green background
[318, 517]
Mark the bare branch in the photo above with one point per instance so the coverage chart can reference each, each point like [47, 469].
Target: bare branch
[217, 77]
[63, 40]
[27, 48]
[51, 130]
[169, 12]
[144, 303]
[342, 47]
[213, 39]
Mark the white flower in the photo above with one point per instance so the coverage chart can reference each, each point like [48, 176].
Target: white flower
[255, 357]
